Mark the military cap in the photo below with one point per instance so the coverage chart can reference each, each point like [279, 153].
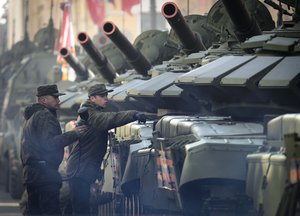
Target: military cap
[98, 89]
[48, 90]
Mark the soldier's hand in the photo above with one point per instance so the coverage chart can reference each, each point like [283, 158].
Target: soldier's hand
[80, 130]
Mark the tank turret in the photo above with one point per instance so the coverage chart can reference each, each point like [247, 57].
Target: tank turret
[80, 70]
[105, 67]
[245, 25]
[241, 20]
[245, 80]
[135, 58]
[152, 44]
[191, 42]
[116, 57]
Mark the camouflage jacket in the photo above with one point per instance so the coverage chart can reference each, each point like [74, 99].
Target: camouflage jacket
[86, 156]
[42, 144]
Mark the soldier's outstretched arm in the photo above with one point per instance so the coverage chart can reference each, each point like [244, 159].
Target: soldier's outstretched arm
[109, 120]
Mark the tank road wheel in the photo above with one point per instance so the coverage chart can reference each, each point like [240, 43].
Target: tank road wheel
[16, 187]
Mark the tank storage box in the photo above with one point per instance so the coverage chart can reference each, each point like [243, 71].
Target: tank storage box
[278, 127]
[267, 171]
[266, 180]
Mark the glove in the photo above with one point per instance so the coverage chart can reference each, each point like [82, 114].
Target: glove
[84, 116]
[83, 113]
[141, 117]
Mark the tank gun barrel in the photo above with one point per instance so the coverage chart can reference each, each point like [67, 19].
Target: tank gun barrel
[190, 41]
[245, 25]
[136, 59]
[105, 67]
[80, 70]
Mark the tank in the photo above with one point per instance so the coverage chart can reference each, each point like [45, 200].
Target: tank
[178, 163]
[211, 156]
[161, 90]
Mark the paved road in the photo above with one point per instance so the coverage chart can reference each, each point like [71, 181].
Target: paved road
[8, 206]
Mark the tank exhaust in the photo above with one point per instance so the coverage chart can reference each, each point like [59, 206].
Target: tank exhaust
[136, 59]
[190, 40]
[105, 67]
[80, 70]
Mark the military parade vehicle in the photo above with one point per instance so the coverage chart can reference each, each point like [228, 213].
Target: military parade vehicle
[195, 162]
[223, 94]
[139, 175]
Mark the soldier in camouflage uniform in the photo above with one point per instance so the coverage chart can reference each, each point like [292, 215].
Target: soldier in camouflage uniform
[42, 149]
[85, 159]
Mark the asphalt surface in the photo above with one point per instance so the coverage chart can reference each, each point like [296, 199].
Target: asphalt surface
[8, 206]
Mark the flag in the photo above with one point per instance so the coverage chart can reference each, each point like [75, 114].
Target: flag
[66, 38]
[97, 11]
[128, 4]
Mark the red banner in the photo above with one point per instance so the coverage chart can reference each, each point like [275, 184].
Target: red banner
[97, 11]
[128, 4]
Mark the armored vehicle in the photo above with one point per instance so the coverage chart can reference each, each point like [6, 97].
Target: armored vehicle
[212, 106]
[195, 163]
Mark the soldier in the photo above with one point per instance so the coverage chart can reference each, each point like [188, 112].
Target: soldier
[83, 165]
[42, 149]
